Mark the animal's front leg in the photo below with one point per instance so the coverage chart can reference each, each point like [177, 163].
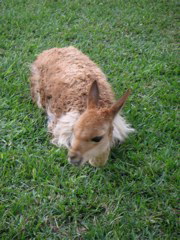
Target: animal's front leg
[100, 160]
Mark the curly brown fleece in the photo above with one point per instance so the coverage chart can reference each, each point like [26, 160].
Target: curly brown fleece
[62, 77]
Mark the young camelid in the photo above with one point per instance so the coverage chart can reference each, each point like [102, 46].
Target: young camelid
[82, 113]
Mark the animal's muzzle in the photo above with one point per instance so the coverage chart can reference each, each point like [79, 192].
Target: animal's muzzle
[75, 159]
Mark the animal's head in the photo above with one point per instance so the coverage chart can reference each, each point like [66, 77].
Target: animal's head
[92, 133]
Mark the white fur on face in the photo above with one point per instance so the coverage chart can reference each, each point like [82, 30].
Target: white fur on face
[63, 129]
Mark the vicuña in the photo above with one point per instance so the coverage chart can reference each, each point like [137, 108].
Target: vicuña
[83, 115]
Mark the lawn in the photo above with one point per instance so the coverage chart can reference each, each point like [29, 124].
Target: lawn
[135, 195]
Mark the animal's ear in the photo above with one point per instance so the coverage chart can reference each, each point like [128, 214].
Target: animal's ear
[117, 106]
[93, 95]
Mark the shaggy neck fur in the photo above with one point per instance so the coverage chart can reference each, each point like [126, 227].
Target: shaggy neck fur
[63, 129]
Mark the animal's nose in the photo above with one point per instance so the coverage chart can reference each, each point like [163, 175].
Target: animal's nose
[75, 159]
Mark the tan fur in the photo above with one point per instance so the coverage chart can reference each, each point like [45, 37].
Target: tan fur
[65, 78]
[62, 83]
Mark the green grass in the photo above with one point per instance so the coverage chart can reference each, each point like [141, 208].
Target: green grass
[135, 195]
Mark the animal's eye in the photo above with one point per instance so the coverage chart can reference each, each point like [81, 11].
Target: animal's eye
[97, 139]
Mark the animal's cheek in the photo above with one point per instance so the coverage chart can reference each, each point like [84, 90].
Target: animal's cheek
[86, 146]
[78, 145]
